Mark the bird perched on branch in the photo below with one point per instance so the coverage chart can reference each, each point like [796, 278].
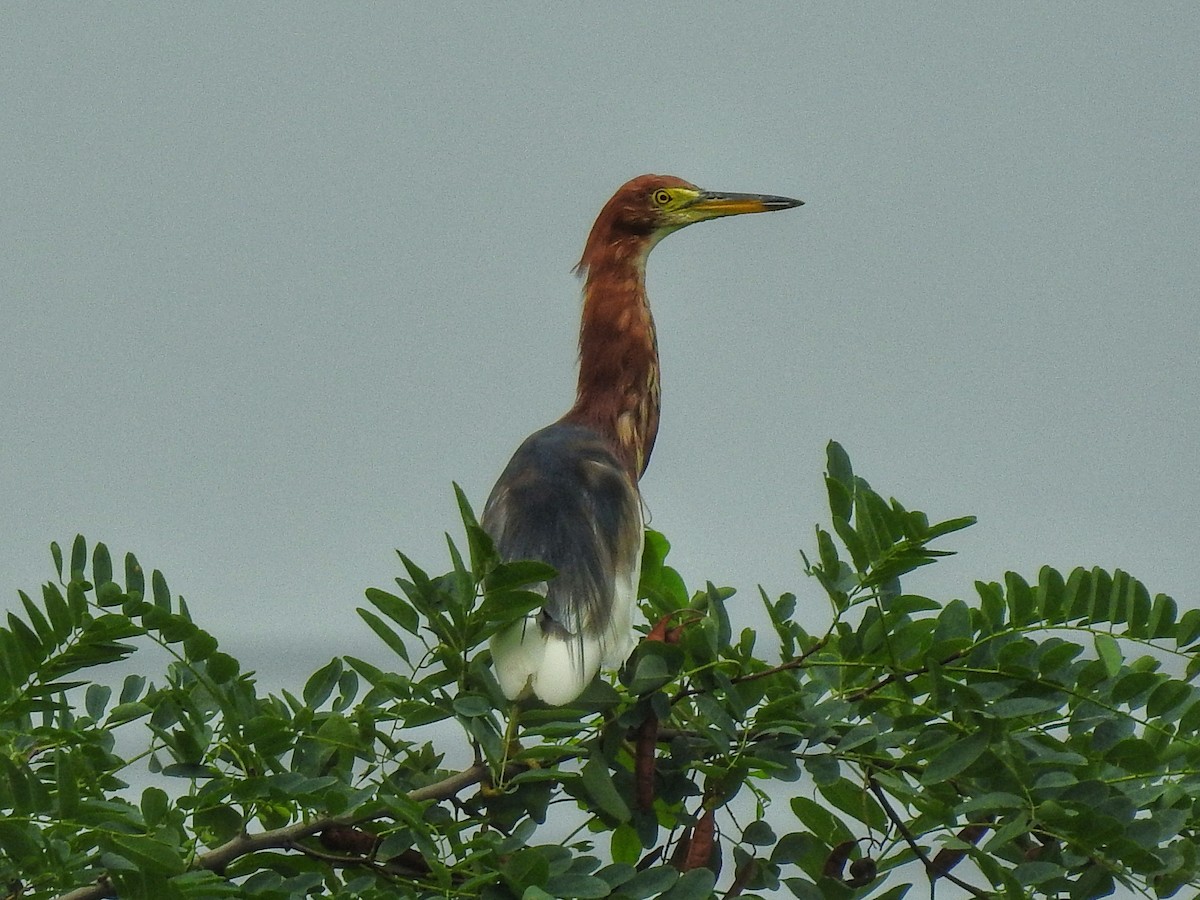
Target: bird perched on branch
[569, 496]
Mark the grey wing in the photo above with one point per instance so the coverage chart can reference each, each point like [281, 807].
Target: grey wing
[565, 499]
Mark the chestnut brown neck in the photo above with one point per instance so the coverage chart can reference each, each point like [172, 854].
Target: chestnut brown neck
[618, 392]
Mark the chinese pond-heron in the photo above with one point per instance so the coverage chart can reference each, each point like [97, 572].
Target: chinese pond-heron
[569, 495]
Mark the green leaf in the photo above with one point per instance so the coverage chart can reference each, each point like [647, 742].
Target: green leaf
[40, 625]
[471, 705]
[505, 606]
[822, 823]
[101, 565]
[1162, 617]
[318, 688]
[199, 646]
[804, 889]
[347, 690]
[1138, 607]
[18, 781]
[827, 552]
[1075, 595]
[415, 713]
[1050, 594]
[1167, 696]
[155, 806]
[1132, 684]
[1015, 707]
[520, 574]
[135, 579]
[57, 555]
[66, 783]
[385, 633]
[1189, 628]
[222, 667]
[597, 782]
[1118, 598]
[953, 625]
[759, 833]
[824, 769]
[162, 594]
[78, 558]
[219, 823]
[616, 874]
[650, 674]
[837, 464]
[526, 868]
[61, 617]
[859, 552]
[148, 854]
[874, 537]
[1109, 653]
[572, 886]
[625, 845]
[1038, 872]
[992, 604]
[1099, 604]
[841, 504]
[131, 688]
[1057, 655]
[718, 612]
[95, 699]
[694, 885]
[30, 642]
[649, 883]
[949, 526]
[479, 543]
[1021, 610]
[955, 758]
[851, 799]
[395, 608]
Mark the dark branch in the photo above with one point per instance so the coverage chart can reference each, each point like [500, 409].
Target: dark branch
[285, 838]
[916, 848]
[879, 685]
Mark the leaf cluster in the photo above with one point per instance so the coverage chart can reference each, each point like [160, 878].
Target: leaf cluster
[1036, 740]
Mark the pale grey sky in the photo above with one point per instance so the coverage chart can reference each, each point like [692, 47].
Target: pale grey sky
[274, 277]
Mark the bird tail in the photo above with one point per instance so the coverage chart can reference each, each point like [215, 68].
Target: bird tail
[555, 668]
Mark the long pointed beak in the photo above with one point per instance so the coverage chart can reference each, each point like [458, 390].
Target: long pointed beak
[711, 204]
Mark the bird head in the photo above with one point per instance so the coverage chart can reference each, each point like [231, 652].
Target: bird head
[646, 209]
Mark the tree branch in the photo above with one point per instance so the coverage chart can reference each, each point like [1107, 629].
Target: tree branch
[282, 838]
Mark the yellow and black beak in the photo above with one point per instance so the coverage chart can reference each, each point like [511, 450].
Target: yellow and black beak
[711, 204]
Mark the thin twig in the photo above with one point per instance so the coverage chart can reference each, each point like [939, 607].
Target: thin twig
[794, 663]
[881, 796]
[870, 689]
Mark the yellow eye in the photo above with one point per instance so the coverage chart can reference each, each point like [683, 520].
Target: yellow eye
[662, 197]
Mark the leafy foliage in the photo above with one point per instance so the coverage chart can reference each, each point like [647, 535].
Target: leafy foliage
[1038, 740]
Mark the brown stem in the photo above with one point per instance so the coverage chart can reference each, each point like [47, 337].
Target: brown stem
[645, 761]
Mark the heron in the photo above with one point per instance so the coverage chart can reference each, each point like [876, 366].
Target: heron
[569, 496]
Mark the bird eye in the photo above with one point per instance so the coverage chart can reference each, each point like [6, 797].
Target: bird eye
[661, 197]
